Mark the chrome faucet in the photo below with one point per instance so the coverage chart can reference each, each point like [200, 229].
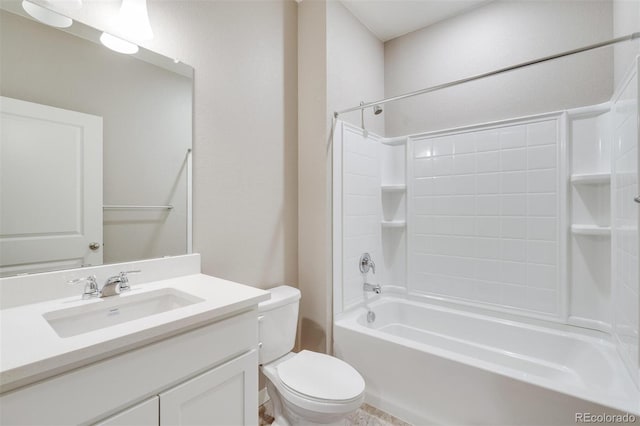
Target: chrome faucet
[366, 263]
[90, 288]
[117, 284]
[372, 287]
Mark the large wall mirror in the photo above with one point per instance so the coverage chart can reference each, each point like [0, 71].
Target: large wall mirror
[95, 149]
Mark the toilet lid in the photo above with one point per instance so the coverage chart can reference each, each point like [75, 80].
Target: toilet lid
[321, 376]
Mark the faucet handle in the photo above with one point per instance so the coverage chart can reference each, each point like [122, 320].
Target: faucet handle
[90, 288]
[366, 263]
[124, 279]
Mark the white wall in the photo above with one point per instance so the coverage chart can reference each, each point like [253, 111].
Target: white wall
[500, 34]
[146, 112]
[245, 128]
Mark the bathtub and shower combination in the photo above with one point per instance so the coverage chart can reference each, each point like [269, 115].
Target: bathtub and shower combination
[492, 311]
[430, 364]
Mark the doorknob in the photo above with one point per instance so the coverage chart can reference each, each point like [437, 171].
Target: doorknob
[637, 199]
[94, 246]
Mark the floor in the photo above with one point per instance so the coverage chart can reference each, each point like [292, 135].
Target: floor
[366, 415]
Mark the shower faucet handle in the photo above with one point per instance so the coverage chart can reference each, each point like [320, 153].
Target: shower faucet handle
[366, 263]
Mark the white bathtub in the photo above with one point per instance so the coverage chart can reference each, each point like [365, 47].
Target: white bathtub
[429, 364]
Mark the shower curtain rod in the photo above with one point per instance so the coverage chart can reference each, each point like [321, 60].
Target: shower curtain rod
[629, 37]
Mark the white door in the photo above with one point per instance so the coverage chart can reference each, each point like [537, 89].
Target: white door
[50, 188]
[226, 395]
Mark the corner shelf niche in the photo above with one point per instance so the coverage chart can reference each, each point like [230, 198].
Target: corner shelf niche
[593, 230]
[393, 218]
[589, 210]
[394, 188]
[393, 205]
[394, 224]
[591, 179]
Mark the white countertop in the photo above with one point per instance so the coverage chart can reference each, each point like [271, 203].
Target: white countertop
[30, 349]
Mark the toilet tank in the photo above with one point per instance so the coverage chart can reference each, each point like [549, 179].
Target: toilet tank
[278, 322]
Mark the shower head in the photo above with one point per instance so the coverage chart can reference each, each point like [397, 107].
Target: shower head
[377, 109]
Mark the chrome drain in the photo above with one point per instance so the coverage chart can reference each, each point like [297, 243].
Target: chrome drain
[371, 316]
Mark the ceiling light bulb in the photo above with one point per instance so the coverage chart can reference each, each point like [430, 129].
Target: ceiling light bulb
[46, 16]
[133, 20]
[117, 44]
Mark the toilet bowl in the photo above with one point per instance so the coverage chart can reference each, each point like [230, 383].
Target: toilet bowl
[306, 388]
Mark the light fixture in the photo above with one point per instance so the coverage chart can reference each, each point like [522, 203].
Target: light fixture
[133, 23]
[46, 16]
[133, 20]
[117, 44]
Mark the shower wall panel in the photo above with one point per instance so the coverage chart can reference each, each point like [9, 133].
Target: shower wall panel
[485, 215]
[624, 232]
[361, 217]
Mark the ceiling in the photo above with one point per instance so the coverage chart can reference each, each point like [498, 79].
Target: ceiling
[389, 19]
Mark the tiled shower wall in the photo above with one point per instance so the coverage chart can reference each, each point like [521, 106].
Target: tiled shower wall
[484, 215]
[624, 230]
[361, 200]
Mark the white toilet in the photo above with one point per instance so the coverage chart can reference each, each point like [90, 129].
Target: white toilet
[306, 388]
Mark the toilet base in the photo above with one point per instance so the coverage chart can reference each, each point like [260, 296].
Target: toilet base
[284, 415]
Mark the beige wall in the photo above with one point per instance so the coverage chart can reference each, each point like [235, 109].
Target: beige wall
[313, 171]
[340, 64]
[626, 20]
[500, 34]
[355, 67]
[245, 128]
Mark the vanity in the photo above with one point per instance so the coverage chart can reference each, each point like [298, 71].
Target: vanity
[179, 348]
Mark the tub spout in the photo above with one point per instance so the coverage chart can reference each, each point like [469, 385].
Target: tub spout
[372, 287]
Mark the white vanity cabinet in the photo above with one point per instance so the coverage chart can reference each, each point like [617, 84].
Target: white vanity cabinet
[216, 397]
[146, 413]
[207, 375]
[219, 396]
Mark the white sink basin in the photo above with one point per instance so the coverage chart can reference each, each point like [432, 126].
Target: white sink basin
[116, 310]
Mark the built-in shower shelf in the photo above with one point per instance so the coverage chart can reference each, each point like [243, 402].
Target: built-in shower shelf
[394, 188]
[591, 179]
[393, 223]
[399, 140]
[591, 230]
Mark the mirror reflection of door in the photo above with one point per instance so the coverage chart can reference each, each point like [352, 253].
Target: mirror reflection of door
[53, 219]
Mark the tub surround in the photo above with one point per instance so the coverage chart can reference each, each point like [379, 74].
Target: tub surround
[32, 351]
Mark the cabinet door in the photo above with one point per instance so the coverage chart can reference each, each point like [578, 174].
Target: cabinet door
[144, 414]
[226, 395]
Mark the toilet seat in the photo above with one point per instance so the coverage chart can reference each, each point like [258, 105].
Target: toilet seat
[299, 400]
[320, 377]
